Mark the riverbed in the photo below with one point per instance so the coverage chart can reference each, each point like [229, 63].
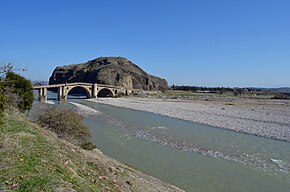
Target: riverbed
[192, 156]
[266, 118]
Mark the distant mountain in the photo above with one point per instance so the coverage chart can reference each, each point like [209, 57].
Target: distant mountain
[38, 82]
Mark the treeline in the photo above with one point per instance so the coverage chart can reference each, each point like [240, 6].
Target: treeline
[235, 91]
[197, 88]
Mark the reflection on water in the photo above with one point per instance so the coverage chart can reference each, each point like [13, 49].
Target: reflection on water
[191, 156]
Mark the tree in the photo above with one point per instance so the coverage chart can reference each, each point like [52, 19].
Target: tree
[238, 91]
[20, 89]
[23, 101]
[4, 68]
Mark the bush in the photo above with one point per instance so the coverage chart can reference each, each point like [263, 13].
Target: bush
[67, 124]
[281, 96]
[238, 91]
[87, 145]
[19, 91]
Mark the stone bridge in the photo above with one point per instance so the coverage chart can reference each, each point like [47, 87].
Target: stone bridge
[93, 90]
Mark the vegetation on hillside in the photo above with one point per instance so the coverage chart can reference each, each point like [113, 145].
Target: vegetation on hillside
[67, 124]
[15, 90]
[18, 91]
[32, 159]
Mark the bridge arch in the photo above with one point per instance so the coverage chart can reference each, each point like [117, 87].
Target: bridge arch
[85, 89]
[92, 90]
[105, 92]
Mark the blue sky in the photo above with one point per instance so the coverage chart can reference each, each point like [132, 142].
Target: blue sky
[188, 42]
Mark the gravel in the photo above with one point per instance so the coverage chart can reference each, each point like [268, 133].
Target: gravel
[86, 111]
[266, 118]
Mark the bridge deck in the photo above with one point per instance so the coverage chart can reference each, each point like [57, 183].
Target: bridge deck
[75, 84]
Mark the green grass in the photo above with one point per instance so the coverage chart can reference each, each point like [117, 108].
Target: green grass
[32, 159]
[34, 184]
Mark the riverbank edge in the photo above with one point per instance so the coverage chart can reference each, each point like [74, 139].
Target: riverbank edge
[35, 159]
[143, 105]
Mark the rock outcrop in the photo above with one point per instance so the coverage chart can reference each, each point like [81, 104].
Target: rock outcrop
[115, 71]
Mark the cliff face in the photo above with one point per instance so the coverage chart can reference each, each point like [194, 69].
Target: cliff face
[116, 71]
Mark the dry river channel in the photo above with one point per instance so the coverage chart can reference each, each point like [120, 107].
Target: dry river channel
[191, 156]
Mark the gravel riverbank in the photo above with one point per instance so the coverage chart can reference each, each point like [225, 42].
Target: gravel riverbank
[266, 118]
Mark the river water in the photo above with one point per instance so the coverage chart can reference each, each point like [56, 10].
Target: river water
[194, 157]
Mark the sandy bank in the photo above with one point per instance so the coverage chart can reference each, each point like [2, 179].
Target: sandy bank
[266, 118]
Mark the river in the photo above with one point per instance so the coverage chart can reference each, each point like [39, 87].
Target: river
[194, 157]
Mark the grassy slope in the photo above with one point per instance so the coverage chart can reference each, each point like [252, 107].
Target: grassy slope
[33, 159]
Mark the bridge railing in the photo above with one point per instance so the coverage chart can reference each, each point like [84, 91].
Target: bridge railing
[61, 85]
[75, 84]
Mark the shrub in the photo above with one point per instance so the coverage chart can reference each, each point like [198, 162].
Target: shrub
[280, 96]
[67, 124]
[87, 145]
[238, 91]
[12, 98]
[19, 91]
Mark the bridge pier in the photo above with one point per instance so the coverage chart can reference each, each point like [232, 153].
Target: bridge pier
[95, 90]
[42, 94]
[61, 94]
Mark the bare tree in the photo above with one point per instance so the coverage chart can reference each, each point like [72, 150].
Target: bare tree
[8, 67]
[238, 91]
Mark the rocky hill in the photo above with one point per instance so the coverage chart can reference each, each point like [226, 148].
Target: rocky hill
[116, 71]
